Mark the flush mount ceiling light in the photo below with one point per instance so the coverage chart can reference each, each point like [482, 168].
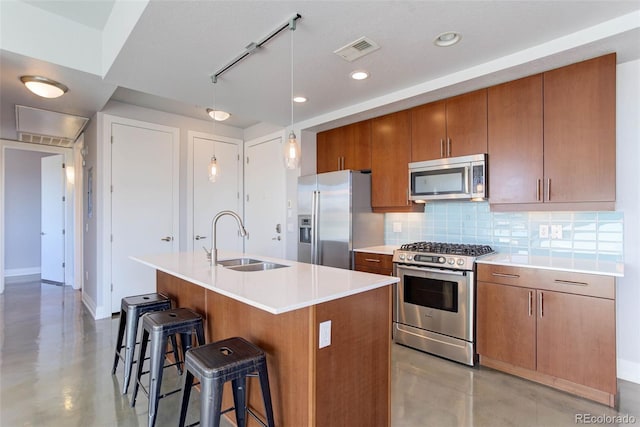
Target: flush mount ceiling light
[447, 39]
[359, 75]
[299, 99]
[43, 86]
[218, 115]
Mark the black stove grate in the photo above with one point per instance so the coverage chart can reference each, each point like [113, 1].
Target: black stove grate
[447, 248]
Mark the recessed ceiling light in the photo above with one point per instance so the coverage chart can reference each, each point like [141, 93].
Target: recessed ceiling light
[299, 99]
[447, 39]
[218, 115]
[359, 75]
[43, 86]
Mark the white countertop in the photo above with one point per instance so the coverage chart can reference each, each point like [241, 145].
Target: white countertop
[589, 266]
[275, 291]
[383, 249]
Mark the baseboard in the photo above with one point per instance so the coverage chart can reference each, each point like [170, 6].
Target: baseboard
[22, 278]
[89, 304]
[13, 272]
[629, 371]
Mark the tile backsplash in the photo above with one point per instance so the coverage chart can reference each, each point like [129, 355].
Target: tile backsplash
[594, 235]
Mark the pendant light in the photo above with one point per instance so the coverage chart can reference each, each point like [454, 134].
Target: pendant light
[213, 164]
[291, 147]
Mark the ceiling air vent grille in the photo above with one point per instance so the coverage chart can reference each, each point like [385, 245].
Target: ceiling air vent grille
[44, 140]
[357, 49]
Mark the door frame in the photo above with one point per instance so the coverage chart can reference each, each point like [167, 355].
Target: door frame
[103, 197]
[191, 135]
[72, 193]
[282, 135]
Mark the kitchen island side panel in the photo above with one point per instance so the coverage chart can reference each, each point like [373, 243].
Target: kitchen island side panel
[353, 374]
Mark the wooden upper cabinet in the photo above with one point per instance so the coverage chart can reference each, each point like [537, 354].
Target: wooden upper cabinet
[428, 131]
[579, 131]
[346, 147]
[515, 143]
[390, 157]
[454, 127]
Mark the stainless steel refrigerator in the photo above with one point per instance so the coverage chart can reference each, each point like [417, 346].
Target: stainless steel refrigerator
[335, 217]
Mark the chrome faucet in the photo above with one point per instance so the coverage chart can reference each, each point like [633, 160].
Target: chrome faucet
[213, 254]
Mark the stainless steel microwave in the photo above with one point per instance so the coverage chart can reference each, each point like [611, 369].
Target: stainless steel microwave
[451, 178]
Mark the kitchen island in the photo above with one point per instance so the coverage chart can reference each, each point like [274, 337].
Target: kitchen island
[280, 310]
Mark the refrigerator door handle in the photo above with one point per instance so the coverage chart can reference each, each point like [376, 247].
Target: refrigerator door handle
[314, 227]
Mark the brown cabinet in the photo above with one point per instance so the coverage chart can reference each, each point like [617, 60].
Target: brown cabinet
[454, 127]
[553, 327]
[552, 139]
[370, 262]
[390, 157]
[580, 132]
[346, 147]
[515, 141]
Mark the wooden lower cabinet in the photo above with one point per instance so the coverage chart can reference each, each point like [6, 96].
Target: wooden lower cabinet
[370, 262]
[555, 328]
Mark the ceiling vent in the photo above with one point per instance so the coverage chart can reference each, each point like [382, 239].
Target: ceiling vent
[357, 49]
[48, 127]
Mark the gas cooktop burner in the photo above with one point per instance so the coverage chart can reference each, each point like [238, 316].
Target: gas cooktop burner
[453, 256]
[447, 248]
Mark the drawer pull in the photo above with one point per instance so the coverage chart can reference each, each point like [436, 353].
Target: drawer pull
[510, 276]
[571, 282]
[372, 260]
[530, 303]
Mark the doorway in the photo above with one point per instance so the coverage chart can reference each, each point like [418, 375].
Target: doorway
[21, 212]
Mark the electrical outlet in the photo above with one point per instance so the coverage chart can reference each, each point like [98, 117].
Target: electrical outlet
[397, 227]
[325, 334]
[543, 231]
[556, 231]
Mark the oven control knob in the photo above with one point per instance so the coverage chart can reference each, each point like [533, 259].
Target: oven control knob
[451, 261]
[441, 260]
[402, 256]
[460, 261]
[409, 257]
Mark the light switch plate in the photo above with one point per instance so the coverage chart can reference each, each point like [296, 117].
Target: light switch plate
[556, 231]
[397, 227]
[325, 334]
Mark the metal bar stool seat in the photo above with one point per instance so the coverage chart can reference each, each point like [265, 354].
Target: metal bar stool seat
[214, 364]
[131, 309]
[157, 328]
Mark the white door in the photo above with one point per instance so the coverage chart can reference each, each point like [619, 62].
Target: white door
[52, 219]
[143, 197]
[210, 198]
[265, 198]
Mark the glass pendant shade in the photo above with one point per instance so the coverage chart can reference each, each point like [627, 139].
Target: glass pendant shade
[292, 152]
[213, 169]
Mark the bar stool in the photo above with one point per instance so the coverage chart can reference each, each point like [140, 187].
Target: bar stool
[157, 328]
[232, 359]
[131, 308]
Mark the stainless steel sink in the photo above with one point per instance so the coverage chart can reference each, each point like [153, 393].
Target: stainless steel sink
[259, 266]
[238, 261]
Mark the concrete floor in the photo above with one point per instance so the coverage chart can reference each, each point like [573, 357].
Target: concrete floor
[55, 370]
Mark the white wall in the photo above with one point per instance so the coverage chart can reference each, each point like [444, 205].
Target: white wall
[91, 295]
[22, 212]
[628, 202]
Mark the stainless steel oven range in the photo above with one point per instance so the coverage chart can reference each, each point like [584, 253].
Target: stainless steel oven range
[434, 302]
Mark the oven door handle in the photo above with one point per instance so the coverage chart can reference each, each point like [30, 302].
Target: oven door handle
[430, 270]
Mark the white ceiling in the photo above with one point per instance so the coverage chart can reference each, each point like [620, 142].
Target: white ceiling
[166, 59]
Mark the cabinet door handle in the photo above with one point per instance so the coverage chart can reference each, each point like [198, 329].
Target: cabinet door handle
[549, 190]
[338, 163]
[510, 276]
[448, 147]
[538, 189]
[441, 147]
[343, 163]
[571, 282]
[541, 304]
[372, 260]
[530, 303]
[408, 197]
